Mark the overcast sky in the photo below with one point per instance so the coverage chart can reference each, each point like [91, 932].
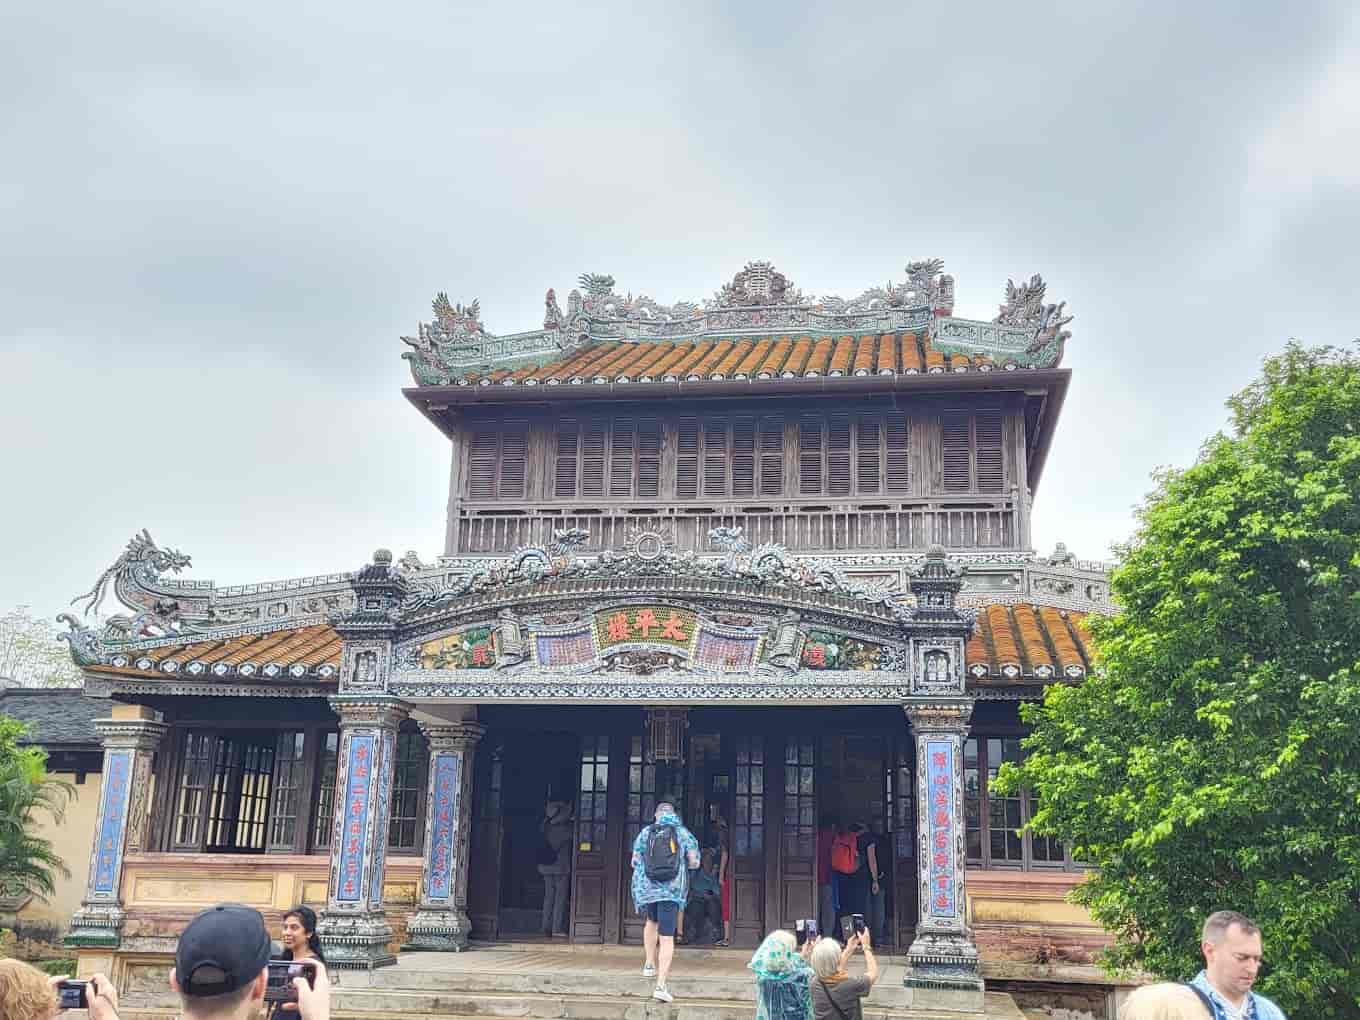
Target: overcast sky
[217, 219]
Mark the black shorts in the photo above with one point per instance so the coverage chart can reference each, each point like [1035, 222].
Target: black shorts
[664, 914]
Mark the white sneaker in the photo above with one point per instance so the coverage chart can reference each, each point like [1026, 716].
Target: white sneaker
[662, 993]
[649, 970]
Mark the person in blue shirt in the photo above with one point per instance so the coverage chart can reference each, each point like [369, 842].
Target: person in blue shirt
[1231, 945]
[661, 902]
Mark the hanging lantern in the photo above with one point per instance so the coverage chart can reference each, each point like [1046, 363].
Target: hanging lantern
[666, 735]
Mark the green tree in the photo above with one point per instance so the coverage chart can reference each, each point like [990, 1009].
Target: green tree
[1213, 759]
[28, 864]
[31, 655]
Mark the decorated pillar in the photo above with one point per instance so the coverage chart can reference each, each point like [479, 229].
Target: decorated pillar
[943, 960]
[130, 739]
[353, 927]
[441, 921]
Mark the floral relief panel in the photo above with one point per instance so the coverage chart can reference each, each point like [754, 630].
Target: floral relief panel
[824, 650]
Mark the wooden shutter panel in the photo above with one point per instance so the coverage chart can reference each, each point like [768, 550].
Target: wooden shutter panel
[771, 456]
[483, 452]
[987, 432]
[687, 458]
[568, 446]
[514, 457]
[743, 457]
[649, 457]
[715, 457]
[621, 457]
[810, 457]
[838, 456]
[897, 441]
[868, 456]
[955, 453]
[594, 434]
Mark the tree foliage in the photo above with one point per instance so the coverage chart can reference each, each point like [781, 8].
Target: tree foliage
[28, 864]
[1213, 759]
[31, 655]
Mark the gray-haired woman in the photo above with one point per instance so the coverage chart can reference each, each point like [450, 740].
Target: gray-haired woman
[835, 994]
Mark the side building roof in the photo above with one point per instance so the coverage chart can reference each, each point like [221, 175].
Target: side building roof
[57, 717]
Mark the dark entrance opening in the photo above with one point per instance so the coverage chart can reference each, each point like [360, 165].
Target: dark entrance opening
[536, 768]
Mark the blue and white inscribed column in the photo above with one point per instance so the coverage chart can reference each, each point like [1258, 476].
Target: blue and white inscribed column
[353, 928]
[943, 955]
[441, 921]
[129, 745]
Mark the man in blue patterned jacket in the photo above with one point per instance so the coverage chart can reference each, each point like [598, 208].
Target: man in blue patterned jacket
[661, 901]
[1232, 959]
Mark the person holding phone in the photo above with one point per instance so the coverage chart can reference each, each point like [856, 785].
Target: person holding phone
[26, 993]
[783, 977]
[835, 994]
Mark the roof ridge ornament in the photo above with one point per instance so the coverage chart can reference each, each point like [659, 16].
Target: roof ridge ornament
[758, 300]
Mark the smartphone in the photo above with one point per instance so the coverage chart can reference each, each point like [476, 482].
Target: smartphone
[857, 920]
[279, 987]
[73, 995]
[812, 931]
[800, 932]
[847, 928]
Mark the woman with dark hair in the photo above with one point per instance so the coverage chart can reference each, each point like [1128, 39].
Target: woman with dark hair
[300, 941]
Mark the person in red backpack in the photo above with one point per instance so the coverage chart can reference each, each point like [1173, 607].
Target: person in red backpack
[852, 854]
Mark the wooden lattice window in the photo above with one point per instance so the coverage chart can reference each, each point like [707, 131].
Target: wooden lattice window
[800, 797]
[845, 455]
[497, 459]
[195, 775]
[238, 795]
[749, 799]
[593, 810]
[323, 819]
[290, 774]
[972, 451]
[408, 793]
[994, 823]
[595, 457]
[740, 456]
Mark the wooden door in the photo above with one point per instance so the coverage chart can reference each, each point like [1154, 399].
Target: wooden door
[749, 827]
[484, 846]
[798, 833]
[902, 838]
[649, 783]
[588, 899]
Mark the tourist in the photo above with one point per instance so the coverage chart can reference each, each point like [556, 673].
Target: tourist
[703, 909]
[876, 857]
[1164, 1002]
[783, 978]
[554, 864]
[663, 853]
[1231, 945]
[300, 941]
[26, 993]
[725, 879]
[826, 890]
[855, 884]
[835, 994]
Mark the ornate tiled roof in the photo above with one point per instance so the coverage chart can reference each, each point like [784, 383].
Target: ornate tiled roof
[1012, 644]
[1022, 643]
[757, 327]
[794, 356]
[289, 654]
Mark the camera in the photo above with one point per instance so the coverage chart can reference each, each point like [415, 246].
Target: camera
[279, 987]
[73, 995]
[805, 930]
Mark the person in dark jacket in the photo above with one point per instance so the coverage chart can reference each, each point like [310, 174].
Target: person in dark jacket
[555, 866]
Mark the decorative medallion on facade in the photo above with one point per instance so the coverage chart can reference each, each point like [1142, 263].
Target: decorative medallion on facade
[824, 650]
[759, 299]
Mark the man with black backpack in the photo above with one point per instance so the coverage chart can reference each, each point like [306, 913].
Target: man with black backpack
[663, 853]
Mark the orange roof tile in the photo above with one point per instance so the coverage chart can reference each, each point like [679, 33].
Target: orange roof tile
[711, 360]
[1003, 638]
[777, 358]
[798, 357]
[696, 353]
[911, 353]
[1032, 639]
[1016, 644]
[753, 359]
[864, 355]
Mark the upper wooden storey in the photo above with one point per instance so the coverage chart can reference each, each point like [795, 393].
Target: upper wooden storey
[879, 423]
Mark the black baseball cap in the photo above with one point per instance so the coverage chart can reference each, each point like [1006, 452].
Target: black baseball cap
[223, 949]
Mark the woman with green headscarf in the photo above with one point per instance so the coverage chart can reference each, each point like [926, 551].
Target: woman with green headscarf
[783, 989]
